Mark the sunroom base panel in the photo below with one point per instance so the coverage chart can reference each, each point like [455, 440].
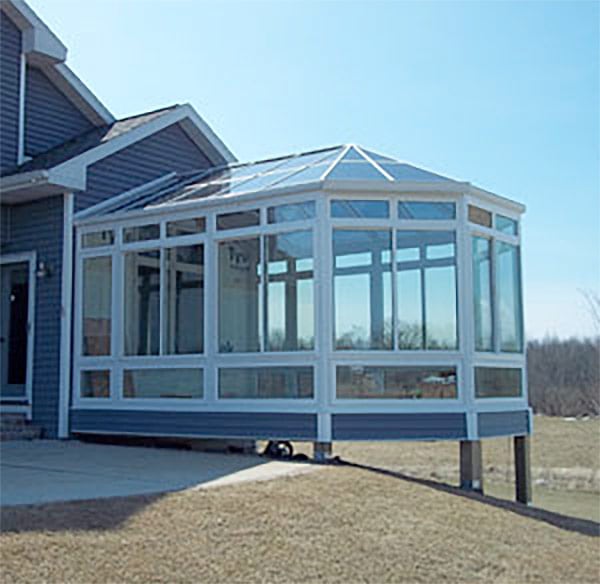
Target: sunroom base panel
[255, 425]
[513, 423]
[434, 426]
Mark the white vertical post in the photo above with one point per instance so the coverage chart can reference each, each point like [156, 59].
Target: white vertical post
[64, 382]
[21, 127]
[323, 319]
[465, 316]
[211, 332]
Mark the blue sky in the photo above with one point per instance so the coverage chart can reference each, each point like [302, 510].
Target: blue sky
[503, 94]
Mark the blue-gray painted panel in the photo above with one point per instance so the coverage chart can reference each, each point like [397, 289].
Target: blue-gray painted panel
[10, 68]
[38, 226]
[417, 426]
[50, 117]
[166, 151]
[259, 425]
[503, 423]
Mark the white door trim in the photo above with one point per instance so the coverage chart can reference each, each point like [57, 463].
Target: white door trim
[31, 258]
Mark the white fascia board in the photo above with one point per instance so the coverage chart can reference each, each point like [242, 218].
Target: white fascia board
[19, 181]
[37, 38]
[80, 95]
[497, 199]
[77, 165]
[213, 141]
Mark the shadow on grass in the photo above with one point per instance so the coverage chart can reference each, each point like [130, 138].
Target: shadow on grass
[85, 515]
[575, 524]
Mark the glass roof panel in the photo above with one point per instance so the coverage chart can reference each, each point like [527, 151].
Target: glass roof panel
[402, 171]
[355, 171]
[310, 174]
[297, 162]
[379, 158]
[352, 155]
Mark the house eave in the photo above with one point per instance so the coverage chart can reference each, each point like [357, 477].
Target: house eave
[35, 185]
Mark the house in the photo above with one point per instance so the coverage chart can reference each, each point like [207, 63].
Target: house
[153, 285]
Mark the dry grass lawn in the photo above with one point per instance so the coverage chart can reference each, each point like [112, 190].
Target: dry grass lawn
[340, 524]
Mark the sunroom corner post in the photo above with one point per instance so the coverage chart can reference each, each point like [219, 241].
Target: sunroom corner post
[323, 330]
[66, 315]
[470, 450]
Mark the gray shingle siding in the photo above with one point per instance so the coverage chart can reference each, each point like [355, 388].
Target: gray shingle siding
[10, 67]
[169, 150]
[259, 425]
[37, 226]
[50, 117]
[446, 426]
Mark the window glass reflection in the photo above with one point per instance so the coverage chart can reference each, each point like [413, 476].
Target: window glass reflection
[508, 285]
[362, 289]
[184, 299]
[290, 321]
[142, 304]
[482, 293]
[239, 295]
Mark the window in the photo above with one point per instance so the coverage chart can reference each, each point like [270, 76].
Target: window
[163, 383]
[362, 289]
[141, 233]
[289, 291]
[358, 382]
[354, 209]
[426, 210]
[186, 227]
[506, 225]
[238, 220]
[142, 302]
[291, 212]
[97, 304]
[184, 299]
[98, 238]
[480, 216]
[266, 383]
[95, 383]
[482, 293]
[497, 382]
[240, 285]
[508, 286]
[426, 290]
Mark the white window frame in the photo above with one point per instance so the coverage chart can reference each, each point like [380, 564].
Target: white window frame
[323, 358]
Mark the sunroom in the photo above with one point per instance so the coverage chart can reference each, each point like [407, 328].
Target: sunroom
[331, 295]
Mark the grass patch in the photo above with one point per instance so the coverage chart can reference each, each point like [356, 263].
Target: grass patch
[340, 524]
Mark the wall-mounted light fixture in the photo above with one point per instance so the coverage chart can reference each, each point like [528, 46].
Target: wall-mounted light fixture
[43, 270]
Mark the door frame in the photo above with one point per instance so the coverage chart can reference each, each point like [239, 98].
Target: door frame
[31, 258]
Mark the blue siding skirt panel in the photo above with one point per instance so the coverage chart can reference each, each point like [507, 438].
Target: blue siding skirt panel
[417, 426]
[38, 226]
[503, 423]
[50, 117]
[166, 151]
[258, 425]
[10, 72]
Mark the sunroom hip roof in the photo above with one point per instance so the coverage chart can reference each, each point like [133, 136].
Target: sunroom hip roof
[337, 163]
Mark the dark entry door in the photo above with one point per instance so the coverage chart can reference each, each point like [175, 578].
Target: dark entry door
[14, 330]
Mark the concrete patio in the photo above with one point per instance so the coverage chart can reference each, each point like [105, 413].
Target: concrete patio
[44, 471]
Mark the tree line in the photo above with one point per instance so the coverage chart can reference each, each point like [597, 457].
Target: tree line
[564, 376]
